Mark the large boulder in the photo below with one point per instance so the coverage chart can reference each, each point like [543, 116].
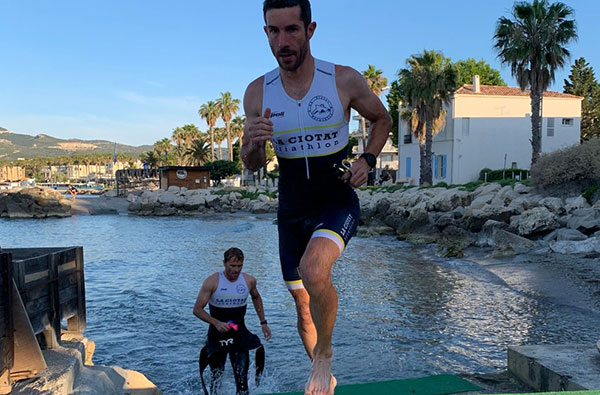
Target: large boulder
[591, 245]
[259, 207]
[481, 201]
[535, 221]
[487, 189]
[564, 234]
[585, 220]
[575, 203]
[450, 199]
[475, 219]
[168, 197]
[507, 243]
[555, 205]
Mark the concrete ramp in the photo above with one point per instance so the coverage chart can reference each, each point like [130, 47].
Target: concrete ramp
[565, 367]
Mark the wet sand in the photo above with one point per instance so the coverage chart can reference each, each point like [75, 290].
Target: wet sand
[98, 205]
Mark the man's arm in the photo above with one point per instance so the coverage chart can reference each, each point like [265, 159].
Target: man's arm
[363, 100]
[258, 306]
[208, 288]
[257, 129]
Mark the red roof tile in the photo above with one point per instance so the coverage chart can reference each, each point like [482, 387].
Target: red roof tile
[493, 90]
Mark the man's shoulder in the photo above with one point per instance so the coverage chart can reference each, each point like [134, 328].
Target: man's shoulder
[345, 73]
[256, 84]
[213, 279]
[249, 278]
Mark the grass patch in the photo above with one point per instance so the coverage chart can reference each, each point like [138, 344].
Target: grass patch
[589, 193]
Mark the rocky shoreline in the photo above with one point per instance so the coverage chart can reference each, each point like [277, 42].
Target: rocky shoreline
[508, 219]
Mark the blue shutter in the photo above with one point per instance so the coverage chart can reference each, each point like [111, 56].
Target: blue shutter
[408, 167]
[434, 164]
[444, 162]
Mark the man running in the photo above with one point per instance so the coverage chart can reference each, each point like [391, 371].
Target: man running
[303, 107]
[226, 293]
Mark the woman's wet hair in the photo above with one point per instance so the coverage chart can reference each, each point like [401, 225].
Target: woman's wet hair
[305, 13]
[232, 253]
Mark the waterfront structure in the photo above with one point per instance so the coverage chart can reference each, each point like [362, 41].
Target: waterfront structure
[184, 176]
[11, 173]
[490, 127]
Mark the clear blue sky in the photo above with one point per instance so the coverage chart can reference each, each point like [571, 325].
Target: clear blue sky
[132, 71]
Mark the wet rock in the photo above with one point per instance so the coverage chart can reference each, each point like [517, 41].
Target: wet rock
[503, 240]
[591, 245]
[553, 204]
[565, 234]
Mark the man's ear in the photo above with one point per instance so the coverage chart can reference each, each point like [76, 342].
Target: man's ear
[310, 30]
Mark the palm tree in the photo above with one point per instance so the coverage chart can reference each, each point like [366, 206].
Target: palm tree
[150, 158]
[237, 130]
[534, 43]
[210, 112]
[425, 86]
[377, 82]
[220, 136]
[198, 153]
[163, 147]
[228, 106]
[179, 139]
[190, 133]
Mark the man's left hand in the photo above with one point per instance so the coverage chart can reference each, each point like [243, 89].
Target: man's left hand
[266, 331]
[358, 174]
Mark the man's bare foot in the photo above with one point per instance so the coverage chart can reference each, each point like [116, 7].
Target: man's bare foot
[321, 381]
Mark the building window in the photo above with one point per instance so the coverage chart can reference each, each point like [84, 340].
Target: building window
[550, 127]
[439, 166]
[567, 121]
[466, 125]
[408, 138]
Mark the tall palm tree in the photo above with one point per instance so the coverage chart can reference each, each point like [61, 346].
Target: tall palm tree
[425, 86]
[210, 113]
[377, 82]
[179, 140]
[220, 136]
[162, 148]
[534, 43]
[198, 153]
[237, 130]
[228, 106]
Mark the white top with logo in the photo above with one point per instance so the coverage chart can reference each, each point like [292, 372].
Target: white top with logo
[311, 127]
[230, 294]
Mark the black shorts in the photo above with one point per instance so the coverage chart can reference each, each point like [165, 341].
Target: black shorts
[335, 223]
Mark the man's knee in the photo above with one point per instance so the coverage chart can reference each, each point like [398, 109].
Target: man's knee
[314, 279]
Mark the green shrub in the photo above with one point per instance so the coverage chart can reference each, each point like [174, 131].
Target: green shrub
[220, 169]
[590, 194]
[578, 165]
[441, 185]
[503, 174]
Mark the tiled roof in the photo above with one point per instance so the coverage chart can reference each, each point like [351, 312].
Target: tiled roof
[493, 90]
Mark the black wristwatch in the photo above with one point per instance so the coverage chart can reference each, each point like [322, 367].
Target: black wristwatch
[263, 322]
[370, 159]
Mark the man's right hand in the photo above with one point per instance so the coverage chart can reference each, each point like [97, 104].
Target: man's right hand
[259, 130]
[222, 326]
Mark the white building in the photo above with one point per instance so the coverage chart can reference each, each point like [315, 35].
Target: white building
[490, 127]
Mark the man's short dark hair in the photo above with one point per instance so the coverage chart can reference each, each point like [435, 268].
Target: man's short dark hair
[233, 253]
[305, 13]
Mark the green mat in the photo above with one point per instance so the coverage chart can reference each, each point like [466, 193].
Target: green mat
[431, 385]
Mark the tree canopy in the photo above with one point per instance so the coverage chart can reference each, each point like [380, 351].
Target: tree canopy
[582, 82]
[487, 74]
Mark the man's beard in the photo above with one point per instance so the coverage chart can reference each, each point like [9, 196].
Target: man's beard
[300, 56]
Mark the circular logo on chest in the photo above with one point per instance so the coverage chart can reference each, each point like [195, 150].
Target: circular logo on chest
[241, 288]
[320, 108]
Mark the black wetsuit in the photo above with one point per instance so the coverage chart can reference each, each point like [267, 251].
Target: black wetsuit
[229, 303]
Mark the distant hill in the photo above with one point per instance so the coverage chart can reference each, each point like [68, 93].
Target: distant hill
[14, 145]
